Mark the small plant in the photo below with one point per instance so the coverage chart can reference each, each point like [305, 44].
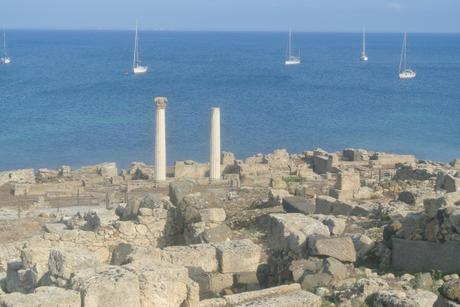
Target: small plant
[293, 179]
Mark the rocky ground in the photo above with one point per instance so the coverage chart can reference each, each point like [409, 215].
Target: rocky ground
[352, 228]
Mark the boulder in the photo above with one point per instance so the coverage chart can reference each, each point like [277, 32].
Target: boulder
[238, 256]
[180, 188]
[451, 290]
[396, 298]
[341, 248]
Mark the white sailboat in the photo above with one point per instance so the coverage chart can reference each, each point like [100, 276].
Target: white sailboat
[404, 72]
[364, 57]
[138, 68]
[291, 59]
[5, 59]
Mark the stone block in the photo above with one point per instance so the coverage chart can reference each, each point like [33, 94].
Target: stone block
[290, 231]
[281, 296]
[42, 297]
[238, 256]
[297, 204]
[63, 261]
[341, 248]
[424, 256]
[324, 204]
[107, 286]
[451, 183]
[212, 215]
[203, 256]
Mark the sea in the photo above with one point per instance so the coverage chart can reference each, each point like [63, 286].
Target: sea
[69, 97]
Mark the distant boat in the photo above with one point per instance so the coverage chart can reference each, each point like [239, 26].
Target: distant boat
[364, 57]
[291, 59]
[5, 59]
[138, 68]
[404, 72]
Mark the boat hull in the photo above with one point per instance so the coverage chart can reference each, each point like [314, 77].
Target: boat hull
[5, 60]
[364, 58]
[407, 74]
[292, 61]
[140, 70]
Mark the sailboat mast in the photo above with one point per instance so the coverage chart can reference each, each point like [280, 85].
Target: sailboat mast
[290, 39]
[135, 48]
[4, 42]
[405, 50]
[402, 54]
[364, 42]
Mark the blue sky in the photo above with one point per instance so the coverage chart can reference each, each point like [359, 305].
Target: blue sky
[250, 15]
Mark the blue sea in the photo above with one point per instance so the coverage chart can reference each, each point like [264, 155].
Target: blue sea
[68, 98]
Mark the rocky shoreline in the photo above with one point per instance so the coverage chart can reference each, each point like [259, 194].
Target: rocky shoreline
[350, 228]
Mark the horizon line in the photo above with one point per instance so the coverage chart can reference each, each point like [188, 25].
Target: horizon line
[224, 30]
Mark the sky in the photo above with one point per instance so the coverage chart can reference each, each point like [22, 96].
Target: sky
[235, 15]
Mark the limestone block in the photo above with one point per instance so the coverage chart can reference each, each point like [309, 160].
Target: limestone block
[238, 256]
[322, 164]
[276, 196]
[282, 296]
[390, 160]
[42, 297]
[217, 234]
[324, 204]
[348, 182]
[63, 261]
[424, 256]
[202, 256]
[341, 248]
[17, 176]
[190, 169]
[297, 204]
[290, 231]
[312, 281]
[212, 215]
[451, 183]
[164, 285]
[107, 286]
[212, 283]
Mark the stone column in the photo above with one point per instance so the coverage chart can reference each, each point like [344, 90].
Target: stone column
[214, 163]
[160, 139]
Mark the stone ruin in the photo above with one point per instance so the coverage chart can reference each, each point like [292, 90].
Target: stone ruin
[350, 228]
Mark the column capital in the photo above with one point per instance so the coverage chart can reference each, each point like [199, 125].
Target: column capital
[161, 102]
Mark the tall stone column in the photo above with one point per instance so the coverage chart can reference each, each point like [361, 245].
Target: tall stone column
[160, 139]
[214, 163]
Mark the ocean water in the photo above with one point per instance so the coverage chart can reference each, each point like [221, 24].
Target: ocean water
[68, 97]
